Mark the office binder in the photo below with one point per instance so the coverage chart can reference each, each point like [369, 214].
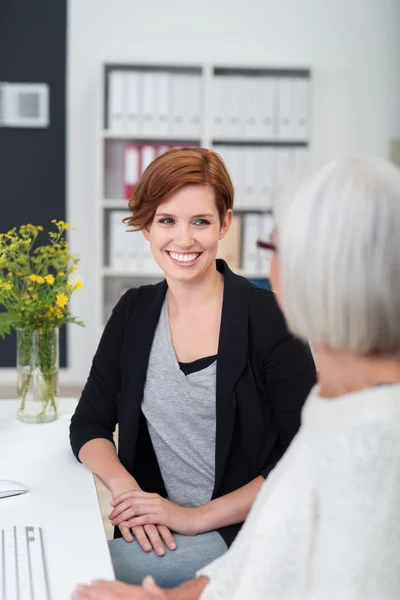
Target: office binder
[235, 108]
[300, 108]
[117, 101]
[117, 249]
[148, 154]
[285, 110]
[134, 102]
[132, 169]
[250, 200]
[266, 176]
[148, 104]
[267, 108]
[229, 247]
[194, 105]
[163, 104]
[180, 109]
[218, 108]
[284, 166]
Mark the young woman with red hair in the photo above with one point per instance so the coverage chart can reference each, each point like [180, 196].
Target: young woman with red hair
[201, 375]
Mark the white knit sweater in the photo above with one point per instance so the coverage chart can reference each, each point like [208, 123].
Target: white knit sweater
[326, 523]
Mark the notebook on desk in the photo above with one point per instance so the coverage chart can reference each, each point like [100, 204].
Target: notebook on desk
[23, 571]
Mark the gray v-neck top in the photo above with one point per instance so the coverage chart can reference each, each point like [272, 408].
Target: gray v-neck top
[181, 418]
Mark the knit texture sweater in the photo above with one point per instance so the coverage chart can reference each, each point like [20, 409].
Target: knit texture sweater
[326, 523]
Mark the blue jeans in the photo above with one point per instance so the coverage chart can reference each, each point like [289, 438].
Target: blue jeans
[132, 564]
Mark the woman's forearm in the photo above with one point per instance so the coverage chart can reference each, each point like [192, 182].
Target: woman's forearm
[99, 455]
[229, 509]
[190, 590]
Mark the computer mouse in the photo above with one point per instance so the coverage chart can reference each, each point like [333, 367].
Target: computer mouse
[11, 488]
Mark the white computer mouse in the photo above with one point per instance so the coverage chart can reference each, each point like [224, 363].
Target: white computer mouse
[11, 488]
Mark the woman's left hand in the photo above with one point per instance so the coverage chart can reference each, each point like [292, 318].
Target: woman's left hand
[115, 590]
[141, 508]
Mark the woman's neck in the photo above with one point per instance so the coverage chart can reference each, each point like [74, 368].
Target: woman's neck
[184, 297]
[342, 372]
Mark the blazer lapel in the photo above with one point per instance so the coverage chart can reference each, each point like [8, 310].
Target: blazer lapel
[232, 353]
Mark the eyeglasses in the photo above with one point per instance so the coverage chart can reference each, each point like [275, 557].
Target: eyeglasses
[267, 245]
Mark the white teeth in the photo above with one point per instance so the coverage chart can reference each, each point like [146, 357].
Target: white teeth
[183, 257]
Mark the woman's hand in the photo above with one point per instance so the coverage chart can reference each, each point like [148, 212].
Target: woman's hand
[148, 537]
[115, 590]
[137, 508]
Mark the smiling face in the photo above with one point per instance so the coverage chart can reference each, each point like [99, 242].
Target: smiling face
[185, 232]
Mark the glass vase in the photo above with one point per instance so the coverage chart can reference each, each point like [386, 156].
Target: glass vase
[37, 374]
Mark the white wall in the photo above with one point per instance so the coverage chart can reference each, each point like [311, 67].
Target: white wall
[352, 47]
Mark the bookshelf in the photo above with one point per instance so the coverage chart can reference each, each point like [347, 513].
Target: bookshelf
[257, 119]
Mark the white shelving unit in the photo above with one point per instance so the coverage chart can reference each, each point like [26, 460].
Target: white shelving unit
[256, 118]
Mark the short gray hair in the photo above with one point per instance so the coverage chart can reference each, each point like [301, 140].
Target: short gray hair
[338, 236]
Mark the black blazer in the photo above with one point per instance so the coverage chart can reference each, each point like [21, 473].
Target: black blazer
[264, 375]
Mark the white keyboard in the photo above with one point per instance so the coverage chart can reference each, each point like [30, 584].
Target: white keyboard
[23, 573]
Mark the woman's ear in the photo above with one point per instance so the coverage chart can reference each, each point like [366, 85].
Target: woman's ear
[146, 234]
[226, 223]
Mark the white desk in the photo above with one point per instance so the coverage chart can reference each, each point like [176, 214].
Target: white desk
[62, 498]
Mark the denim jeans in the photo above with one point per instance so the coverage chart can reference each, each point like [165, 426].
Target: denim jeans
[132, 564]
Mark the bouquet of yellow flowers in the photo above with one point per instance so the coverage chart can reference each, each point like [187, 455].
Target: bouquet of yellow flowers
[36, 283]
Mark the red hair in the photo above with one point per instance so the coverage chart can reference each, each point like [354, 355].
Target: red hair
[169, 173]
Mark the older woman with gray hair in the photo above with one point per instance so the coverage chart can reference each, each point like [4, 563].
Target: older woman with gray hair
[326, 524]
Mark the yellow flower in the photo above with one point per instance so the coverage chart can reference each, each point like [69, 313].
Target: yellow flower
[7, 286]
[9, 274]
[78, 285]
[61, 274]
[19, 273]
[61, 300]
[49, 279]
[40, 279]
[33, 277]
[30, 288]
[59, 314]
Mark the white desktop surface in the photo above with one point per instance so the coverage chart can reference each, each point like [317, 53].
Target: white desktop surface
[62, 498]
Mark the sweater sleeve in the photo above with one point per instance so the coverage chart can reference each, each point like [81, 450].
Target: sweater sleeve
[355, 553]
[96, 413]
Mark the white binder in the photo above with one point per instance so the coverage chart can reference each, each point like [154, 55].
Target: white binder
[148, 155]
[194, 105]
[118, 254]
[251, 257]
[301, 108]
[250, 177]
[163, 100]
[218, 107]
[266, 174]
[117, 101]
[253, 106]
[179, 106]
[148, 106]
[285, 110]
[284, 166]
[134, 101]
[235, 107]
[266, 97]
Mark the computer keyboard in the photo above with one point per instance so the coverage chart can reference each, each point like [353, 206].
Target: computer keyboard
[23, 573]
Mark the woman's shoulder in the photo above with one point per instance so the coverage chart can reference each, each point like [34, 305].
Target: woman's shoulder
[264, 313]
[136, 297]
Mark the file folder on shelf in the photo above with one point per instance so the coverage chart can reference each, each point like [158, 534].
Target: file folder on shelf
[251, 257]
[117, 101]
[117, 249]
[229, 247]
[301, 107]
[131, 169]
[134, 102]
[285, 109]
[163, 103]
[148, 104]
